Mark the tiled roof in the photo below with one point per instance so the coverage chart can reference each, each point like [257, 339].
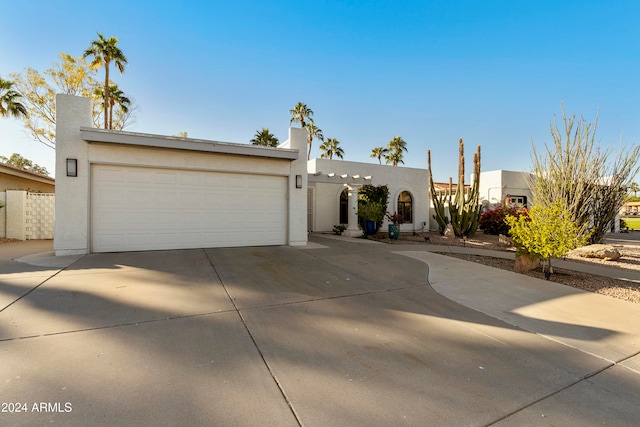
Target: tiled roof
[5, 166]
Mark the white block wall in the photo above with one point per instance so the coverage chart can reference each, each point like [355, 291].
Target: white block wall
[27, 216]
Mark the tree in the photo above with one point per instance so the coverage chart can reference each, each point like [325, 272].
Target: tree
[116, 97]
[10, 104]
[379, 152]
[313, 131]
[330, 148]
[576, 172]
[634, 188]
[546, 232]
[299, 113]
[394, 151]
[71, 76]
[265, 138]
[17, 161]
[104, 51]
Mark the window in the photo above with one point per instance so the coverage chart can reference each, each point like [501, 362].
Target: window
[405, 206]
[518, 201]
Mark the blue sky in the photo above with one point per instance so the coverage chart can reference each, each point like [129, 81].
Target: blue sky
[491, 72]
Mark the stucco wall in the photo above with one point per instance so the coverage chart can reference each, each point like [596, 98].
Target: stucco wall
[496, 185]
[398, 179]
[10, 182]
[3, 214]
[72, 228]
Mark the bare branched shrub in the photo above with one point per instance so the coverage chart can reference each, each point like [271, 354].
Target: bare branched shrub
[590, 181]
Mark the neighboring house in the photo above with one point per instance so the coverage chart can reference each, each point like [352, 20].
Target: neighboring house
[12, 178]
[630, 209]
[496, 185]
[26, 204]
[333, 186]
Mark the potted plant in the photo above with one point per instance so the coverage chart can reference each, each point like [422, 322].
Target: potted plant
[394, 228]
[339, 229]
[370, 213]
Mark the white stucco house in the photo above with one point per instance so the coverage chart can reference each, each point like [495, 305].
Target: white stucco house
[496, 185]
[124, 191]
[333, 186]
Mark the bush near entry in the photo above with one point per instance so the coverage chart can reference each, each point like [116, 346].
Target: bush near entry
[493, 220]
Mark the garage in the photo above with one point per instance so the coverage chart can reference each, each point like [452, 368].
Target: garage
[143, 208]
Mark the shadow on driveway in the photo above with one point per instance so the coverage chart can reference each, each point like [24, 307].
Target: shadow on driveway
[344, 334]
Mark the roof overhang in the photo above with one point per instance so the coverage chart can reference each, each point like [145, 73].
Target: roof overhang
[104, 136]
[9, 170]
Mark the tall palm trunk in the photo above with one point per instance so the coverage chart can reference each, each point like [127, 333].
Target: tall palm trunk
[111, 103]
[106, 94]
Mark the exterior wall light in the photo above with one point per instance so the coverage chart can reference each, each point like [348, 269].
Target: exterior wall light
[72, 167]
[298, 181]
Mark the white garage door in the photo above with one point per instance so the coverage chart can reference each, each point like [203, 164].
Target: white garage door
[135, 208]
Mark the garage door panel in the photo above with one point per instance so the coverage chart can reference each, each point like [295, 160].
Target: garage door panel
[143, 209]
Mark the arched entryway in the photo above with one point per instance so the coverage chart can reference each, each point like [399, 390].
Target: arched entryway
[405, 206]
[344, 206]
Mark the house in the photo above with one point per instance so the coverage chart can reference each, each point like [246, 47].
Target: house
[496, 185]
[13, 178]
[125, 191]
[26, 204]
[333, 192]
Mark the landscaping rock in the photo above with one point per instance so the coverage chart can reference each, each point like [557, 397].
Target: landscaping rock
[448, 232]
[605, 252]
[504, 241]
[526, 262]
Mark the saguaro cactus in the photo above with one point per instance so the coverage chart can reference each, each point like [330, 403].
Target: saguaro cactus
[463, 206]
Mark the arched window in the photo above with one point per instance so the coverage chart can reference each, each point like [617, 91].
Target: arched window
[344, 206]
[405, 206]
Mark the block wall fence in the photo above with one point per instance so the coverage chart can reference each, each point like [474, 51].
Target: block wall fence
[27, 216]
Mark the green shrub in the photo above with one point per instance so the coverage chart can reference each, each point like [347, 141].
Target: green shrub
[546, 232]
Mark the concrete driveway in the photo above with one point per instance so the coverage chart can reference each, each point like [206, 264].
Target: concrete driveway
[340, 333]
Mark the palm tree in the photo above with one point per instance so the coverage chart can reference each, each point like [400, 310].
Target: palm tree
[313, 131]
[104, 51]
[264, 137]
[635, 188]
[300, 112]
[379, 152]
[394, 151]
[116, 96]
[10, 100]
[330, 147]
[394, 158]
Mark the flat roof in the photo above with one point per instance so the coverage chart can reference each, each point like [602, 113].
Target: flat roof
[94, 135]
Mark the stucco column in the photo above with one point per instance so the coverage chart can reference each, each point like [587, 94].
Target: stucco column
[71, 230]
[16, 214]
[352, 215]
[297, 235]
